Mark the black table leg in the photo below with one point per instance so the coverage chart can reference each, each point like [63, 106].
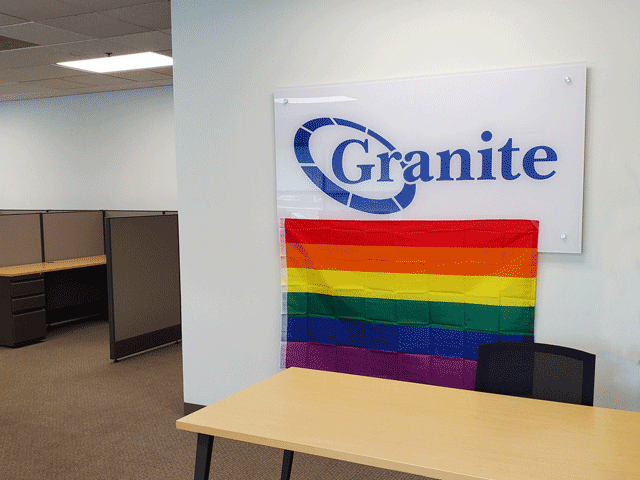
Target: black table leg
[287, 462]
[203, 456]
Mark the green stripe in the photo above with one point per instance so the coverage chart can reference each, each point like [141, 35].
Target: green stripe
[456, 316]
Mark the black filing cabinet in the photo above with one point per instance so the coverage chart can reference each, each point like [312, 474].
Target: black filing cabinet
[22, 309]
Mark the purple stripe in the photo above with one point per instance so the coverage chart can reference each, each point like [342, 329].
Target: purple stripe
[408, 367]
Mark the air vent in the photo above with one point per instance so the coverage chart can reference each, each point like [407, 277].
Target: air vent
[7, 43]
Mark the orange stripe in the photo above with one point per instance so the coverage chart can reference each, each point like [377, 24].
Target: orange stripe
[498, 262]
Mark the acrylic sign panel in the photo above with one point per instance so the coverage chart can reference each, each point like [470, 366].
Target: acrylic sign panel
[495, 144]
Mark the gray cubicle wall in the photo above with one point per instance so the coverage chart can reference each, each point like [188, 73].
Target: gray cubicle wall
[72, 234]
[78, 293]
[20, 239]
[143, 278]
[20, 212]
[131, 213]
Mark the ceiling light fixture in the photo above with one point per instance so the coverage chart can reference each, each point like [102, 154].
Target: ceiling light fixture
[120, 63]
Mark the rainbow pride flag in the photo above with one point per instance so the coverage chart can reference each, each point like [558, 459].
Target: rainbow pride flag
[406, 300]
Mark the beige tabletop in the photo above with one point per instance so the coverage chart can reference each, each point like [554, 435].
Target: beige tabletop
[44, 267]
[438, 432]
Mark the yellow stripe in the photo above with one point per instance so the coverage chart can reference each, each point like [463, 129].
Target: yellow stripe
[485, 290]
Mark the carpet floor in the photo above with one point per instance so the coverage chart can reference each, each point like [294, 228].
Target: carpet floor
[68, 412]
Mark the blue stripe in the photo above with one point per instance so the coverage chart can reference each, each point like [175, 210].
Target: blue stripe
[383, 141]
[372, 205]
[316, 123]
[439, 342]
[347, 123]
[301, 146]
[405, 197]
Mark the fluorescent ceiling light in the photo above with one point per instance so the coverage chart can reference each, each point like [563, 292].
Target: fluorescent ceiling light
[120, 63]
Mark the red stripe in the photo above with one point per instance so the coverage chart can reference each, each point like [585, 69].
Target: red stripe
[415, 233]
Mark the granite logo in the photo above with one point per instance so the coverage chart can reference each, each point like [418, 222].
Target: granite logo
[414, 165]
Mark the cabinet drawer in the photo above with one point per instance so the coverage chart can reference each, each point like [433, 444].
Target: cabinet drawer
[27, 303]
[31, 287]
[29, 276]
[29, 326]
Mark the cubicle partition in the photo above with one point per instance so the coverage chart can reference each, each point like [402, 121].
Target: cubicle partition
[137, 213]
[143, 274]
[20, 212]
[20, 239]
[77, 293]
[53, 269]
[72, 235]
[42, 280]
[22, 314]
[131, 213]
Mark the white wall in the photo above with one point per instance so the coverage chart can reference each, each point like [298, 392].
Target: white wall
[112, 150]
[229, 58]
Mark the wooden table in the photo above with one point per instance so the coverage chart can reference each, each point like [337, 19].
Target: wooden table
[433, 431]
[37, 294]
[31, 268]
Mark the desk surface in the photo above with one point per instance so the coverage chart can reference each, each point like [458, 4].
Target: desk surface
[438, 432]
[31, 268]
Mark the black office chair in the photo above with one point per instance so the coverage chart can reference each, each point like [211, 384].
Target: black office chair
[536, 370]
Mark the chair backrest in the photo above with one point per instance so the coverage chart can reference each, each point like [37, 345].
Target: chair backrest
[536, 370]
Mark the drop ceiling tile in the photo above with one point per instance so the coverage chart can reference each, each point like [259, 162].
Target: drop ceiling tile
[7, 43]
[95, 25]
[12, 98]
[101, 5]
[9, 20]
[101, 80]
[140, 75]
[156, 15]
[40, 72]
[8, 76]
[47, 94]
[155, 83]
[150, 84]
[136, 85]
[37, 10]
[87, 89]
[167, 71]
[26, 92]
[91, 49]
[20, 88]
[50, 94]
[147, 42]
[56, 84]
[40, 34]
[28, 57]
